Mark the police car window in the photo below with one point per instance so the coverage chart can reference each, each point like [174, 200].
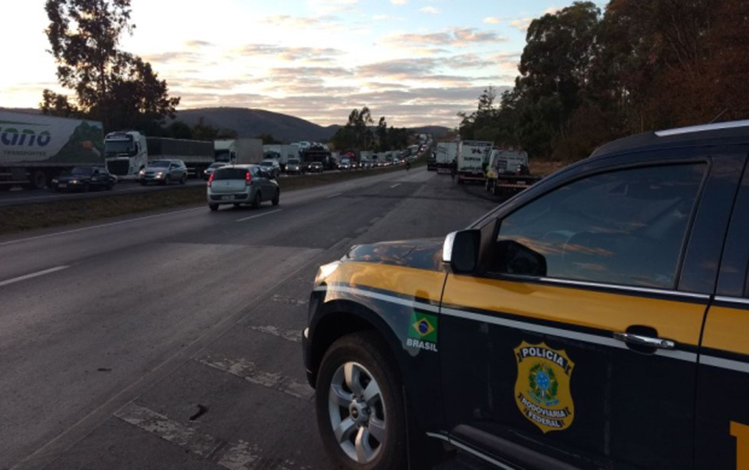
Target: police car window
[624, 227]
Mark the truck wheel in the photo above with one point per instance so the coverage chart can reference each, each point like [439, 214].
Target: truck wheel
[360, 411]
[213, 207]
[38, 180]
[258, 200]
[277, 197]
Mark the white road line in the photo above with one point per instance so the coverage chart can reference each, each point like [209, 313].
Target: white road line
[289, 335]
[33, 275]
[258, 215]
[111, 224]
[247, 370]
[169, 430]
[395, 185]
[333, 195]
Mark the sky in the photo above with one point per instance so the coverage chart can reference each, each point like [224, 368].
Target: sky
[415, 62]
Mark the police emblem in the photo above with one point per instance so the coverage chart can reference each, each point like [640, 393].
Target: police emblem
[542, 387]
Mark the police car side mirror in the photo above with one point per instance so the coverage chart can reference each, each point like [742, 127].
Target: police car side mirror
[460, 251]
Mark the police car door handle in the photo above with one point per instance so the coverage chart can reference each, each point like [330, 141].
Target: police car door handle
[646, 341]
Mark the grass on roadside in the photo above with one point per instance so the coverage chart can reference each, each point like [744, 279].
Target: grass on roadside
[70, 211]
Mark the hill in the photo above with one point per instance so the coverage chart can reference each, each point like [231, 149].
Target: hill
[253, 122]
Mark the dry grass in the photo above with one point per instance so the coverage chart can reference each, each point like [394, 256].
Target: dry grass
[546, 167]
[64, 212]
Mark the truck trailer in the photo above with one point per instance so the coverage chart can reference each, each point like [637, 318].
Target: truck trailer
[34, 148]
[473, 157]
[238, 151]
[447, 153]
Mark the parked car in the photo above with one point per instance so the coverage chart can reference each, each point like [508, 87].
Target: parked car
[597, 319]
[241, 184]
[164, 172]
[294, 167]
[84, 178]
[209, 171]
[272, 167]
[314, 167]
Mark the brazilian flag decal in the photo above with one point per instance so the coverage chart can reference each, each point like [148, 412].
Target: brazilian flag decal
[423, 327]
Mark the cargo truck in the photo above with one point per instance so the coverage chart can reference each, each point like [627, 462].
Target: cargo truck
[238, 151]
[281, 153]
[473, 157]
[34, 148]
[508, 172]
[128, 152]
[447, 153]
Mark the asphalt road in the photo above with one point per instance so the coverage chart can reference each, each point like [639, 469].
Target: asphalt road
[172, 340]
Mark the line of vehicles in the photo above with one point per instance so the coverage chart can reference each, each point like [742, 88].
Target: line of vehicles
[37, 150]
[501, 171]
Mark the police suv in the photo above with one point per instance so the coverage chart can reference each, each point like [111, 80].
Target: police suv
[599, 319]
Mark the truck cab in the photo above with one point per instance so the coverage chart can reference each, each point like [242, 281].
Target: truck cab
[126, 153]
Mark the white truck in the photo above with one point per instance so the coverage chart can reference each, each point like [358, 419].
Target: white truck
[35, 148]
[508, 172]
[447, 153]
[128, 152]
[238, 151]
[473, 157]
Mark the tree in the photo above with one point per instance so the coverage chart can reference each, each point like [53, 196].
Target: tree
[268, 139]
[179, 130]
[356, 133]
[203, 131]
[110, 85]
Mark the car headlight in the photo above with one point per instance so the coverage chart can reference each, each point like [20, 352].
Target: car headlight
[142, 173]
[324, 271]
[74, 182]
[54, 181]
[159, 174]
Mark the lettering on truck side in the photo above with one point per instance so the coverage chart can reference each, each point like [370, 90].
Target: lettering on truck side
[12, 136]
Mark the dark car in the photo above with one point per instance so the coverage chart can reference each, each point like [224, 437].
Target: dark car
[314, 167]
[84, 178]
[597, 319]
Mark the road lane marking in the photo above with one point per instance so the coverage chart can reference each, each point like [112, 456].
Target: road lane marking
[395, 185]
[289, 335]
[247, 370]
[333, 195]
[33, 275]
[111, 224]
[258, 215]
[169, 430]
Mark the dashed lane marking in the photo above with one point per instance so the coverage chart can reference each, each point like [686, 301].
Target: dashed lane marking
[295, 336]
[258, 215]
[239, 455]
[395, 185]
[248, 371]
[32, 275]
[333, 195]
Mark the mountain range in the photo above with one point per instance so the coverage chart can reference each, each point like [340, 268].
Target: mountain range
[251, 123]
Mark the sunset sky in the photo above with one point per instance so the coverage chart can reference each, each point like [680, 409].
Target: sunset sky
[416, 62]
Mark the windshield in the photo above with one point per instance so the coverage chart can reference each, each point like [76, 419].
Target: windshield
[266, 163]
[158, 164]
[216, 165]
[293, 162]
[118, 146]
[81, 171]
[345, 160]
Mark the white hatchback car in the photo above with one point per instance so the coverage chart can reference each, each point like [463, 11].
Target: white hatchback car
[241, 184]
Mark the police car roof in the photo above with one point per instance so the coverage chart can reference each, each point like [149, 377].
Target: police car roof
[722, 132]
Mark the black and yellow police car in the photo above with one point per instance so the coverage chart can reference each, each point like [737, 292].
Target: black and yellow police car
[599, 319]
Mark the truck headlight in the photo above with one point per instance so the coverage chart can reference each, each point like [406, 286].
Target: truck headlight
[142, 173]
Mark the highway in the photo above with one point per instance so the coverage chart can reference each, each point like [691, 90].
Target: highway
[172, 339]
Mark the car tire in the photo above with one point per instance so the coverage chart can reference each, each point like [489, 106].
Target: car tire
[213, 207]
[142, 183]
[355, 366]
[86, 187]
[258, 200]
[183, 180]
[167, 181]
[110, 186]
[277, 197]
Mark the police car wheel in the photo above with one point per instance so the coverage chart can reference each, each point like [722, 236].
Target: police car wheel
[360, 412]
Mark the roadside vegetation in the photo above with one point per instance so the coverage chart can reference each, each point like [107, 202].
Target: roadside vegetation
[25, 217]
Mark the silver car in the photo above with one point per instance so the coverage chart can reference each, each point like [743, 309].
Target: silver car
[164, 172]
[241, 184]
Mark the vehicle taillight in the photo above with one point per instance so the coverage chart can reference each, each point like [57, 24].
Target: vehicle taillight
[247, 178]
[210, 180]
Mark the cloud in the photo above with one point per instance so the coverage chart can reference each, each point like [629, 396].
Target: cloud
[398, 2]
[521, 24]
[551, 10]
[322, 22]
[398, 69]
[315, 54]
[456, 37]
[492, 20]
[430, 10]
[198, 43]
